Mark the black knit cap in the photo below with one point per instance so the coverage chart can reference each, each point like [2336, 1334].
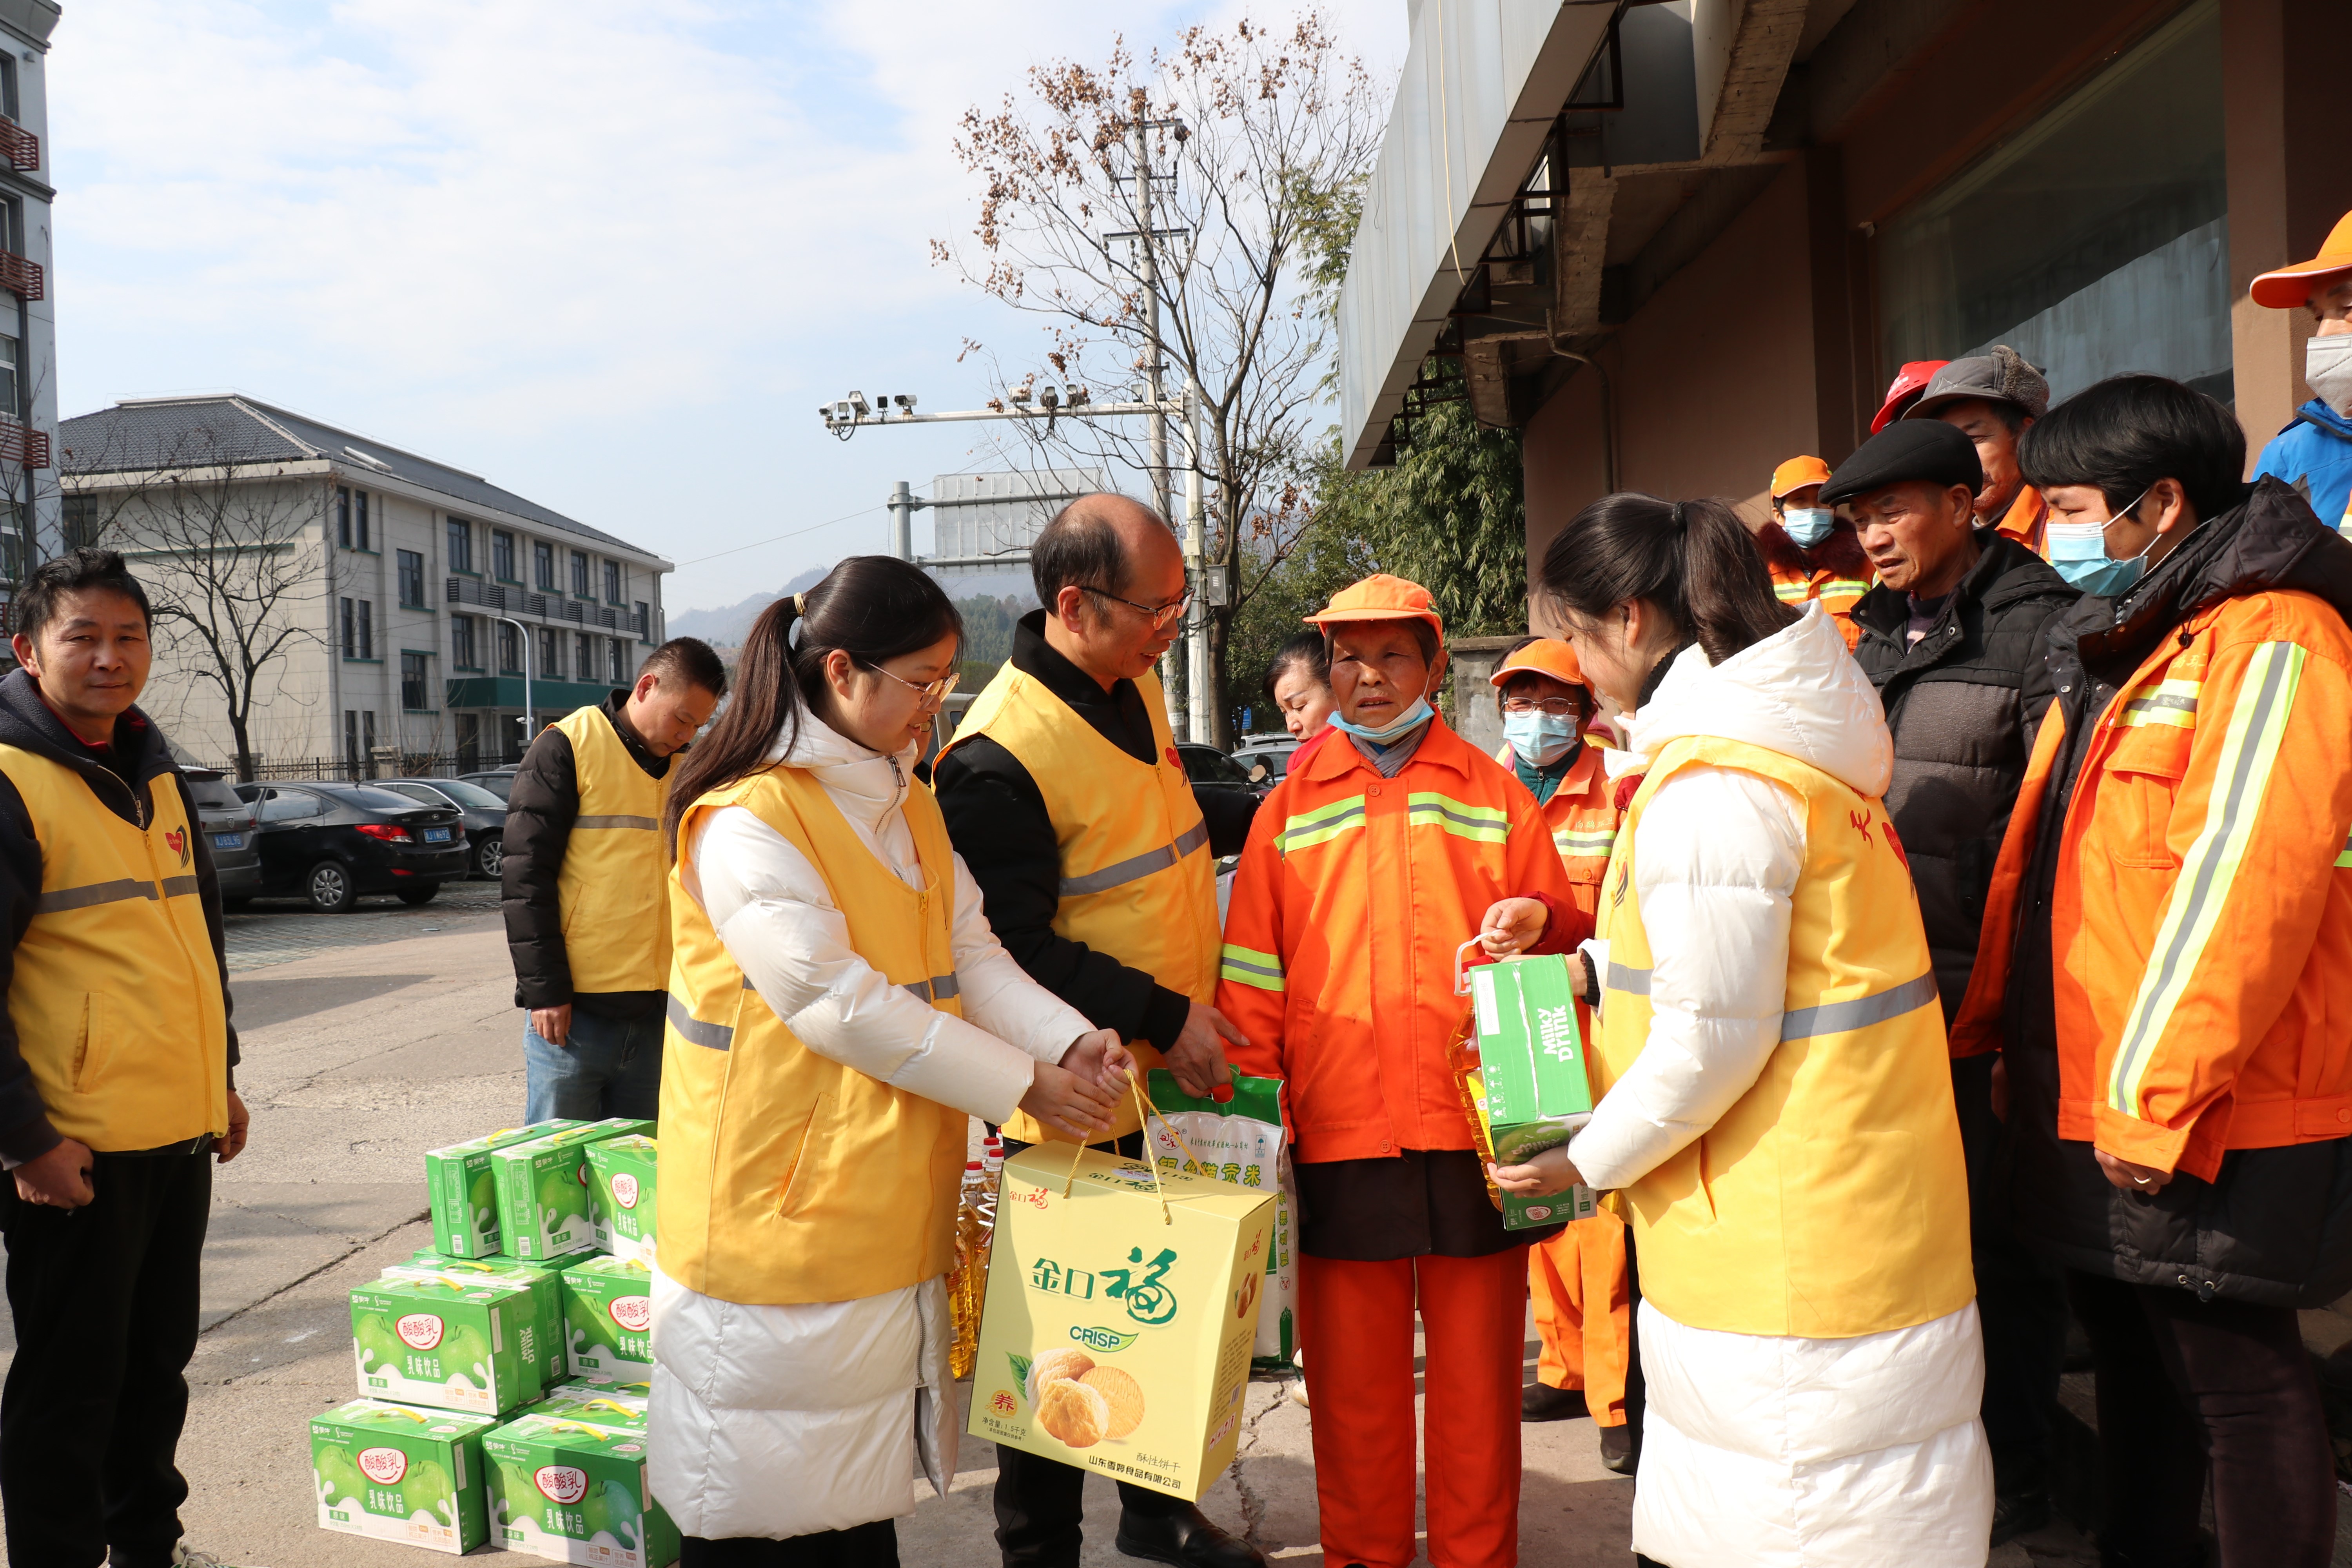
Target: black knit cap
[1925, 450]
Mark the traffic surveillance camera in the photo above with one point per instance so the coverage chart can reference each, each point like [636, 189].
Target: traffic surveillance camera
[1050, 395]
[906, 404]
[1021, 399]
[1077, 395]
[858, 402]
[841, 411]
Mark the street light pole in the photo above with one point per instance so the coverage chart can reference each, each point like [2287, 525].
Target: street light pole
[1196, 634]
[529, 714]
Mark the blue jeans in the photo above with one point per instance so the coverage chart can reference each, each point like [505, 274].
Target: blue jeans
[606, 1067]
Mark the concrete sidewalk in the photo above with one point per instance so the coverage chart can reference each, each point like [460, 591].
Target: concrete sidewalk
[369, 1039]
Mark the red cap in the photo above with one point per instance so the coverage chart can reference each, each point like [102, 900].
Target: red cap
[1904, 390]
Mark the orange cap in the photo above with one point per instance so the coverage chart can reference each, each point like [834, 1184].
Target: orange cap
[1797, 473]
[1380, 597]
[1545, 655]
[2291, 286]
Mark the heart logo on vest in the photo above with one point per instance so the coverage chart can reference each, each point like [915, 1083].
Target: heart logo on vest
[177, 839]
[1174, 760]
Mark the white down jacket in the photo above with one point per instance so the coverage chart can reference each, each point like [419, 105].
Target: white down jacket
[1764, 1451]
[781, 1421]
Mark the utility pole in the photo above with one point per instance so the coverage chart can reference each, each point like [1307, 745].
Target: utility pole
[1196, 615]
[902, 520]
[1139, 147]
[530, 714]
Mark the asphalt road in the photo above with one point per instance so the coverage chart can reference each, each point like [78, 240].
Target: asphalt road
[372, 1036]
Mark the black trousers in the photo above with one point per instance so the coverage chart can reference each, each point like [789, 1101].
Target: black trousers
[104, 1299]
[2021, 1296]
[1041, 1503]
[874, 1545]
[2186, 1388]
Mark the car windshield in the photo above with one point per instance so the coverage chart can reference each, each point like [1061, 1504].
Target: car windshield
[496, 784]
[472, 797]
[377, 800]
[214, 795]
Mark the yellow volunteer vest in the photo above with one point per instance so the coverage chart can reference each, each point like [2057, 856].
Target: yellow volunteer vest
[786, 1177]
[614, 885]
[1832, 1200]
[116, 995]
[1138, 881]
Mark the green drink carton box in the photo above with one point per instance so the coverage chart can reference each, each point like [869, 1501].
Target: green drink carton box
[465, 1198]
[429, 1342]
[398, 1474]
[622, 1171]
[540, 1326]
[1531, 1060]
[575, 1491]
[608, 1314]
[547, 1205]
[620, 1405]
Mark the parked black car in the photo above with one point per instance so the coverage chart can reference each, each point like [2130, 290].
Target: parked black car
[486, 816]
[228, 821]
[498, 781]
[332, 843]
[1210, 768]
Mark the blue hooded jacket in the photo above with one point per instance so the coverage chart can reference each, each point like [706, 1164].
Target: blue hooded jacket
[2317, 448]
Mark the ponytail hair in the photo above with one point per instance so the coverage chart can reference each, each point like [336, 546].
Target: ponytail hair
[871, 607]
[1692, 561]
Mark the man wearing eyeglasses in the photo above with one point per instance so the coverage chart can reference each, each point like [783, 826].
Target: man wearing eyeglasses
[1065, 796]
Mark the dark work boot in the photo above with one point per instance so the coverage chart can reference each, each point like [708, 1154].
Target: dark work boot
[1542, 1402]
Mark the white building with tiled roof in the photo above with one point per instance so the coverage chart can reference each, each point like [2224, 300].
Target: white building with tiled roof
[401, 600]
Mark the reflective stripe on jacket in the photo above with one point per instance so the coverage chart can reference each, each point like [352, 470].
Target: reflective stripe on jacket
[116, 993]
[787, 1176]
[1352, 896]
[615, 884]
[2200, 920]
[1138, 881]
[1583, 817]
[1831, 1200]
[1837, 591]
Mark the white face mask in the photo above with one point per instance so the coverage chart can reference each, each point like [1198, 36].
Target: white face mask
[2328, 368]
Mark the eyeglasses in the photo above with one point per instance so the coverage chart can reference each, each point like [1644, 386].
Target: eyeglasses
[1557, 706]
[932, 694]
[1160, 615]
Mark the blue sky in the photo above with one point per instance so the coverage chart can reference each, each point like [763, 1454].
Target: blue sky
[612, 255]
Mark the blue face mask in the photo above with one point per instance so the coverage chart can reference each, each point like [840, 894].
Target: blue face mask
[2078, 553]
[1419, 713]
[1808, 525]
[1540, 739]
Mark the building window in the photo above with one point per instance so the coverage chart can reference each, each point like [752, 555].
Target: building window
[80, 520]
[620, 665]
[542, 567]
[461, 643]
[416, 686]
[344, 522]
[550, 654]
[2093, 241]
[461, 546]
[12, 542]
[470, 742]
[359, 630]
[583, 655]
[509, 651]
[8, 403]
[644, 621]
[502, 557]
[412, 579]
[360, 521]
[578, 576]
[612, 582]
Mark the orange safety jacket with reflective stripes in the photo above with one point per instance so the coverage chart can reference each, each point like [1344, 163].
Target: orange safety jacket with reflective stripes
[2200, 919]
[1354, 892]
[1835, 571]
[1582, 815]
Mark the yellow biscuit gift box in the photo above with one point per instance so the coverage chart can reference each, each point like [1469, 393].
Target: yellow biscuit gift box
[1122, 1306]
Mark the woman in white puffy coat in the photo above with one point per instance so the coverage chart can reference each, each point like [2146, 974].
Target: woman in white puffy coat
[839, 1009]
[1776, 1111]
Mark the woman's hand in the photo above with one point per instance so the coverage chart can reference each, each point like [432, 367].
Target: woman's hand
[2146, 1180]
[1512, 926]
[1540, 1177]
[1100, 1058]
[1067, 1105]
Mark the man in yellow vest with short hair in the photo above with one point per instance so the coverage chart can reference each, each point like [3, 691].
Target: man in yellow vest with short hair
[115, 1083]
[586, 888]
[1066, 796]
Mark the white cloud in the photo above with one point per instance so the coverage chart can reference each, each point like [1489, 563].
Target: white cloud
[610, 254]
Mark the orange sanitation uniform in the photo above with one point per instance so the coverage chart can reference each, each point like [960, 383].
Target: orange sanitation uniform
[1353, 893]
[1583, 1304]
[2027, 521]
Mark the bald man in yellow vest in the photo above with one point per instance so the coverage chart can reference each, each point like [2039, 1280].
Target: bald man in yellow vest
[1066, 796]
[585, 889]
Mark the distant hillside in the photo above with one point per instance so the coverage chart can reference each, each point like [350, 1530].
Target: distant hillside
[726, 628]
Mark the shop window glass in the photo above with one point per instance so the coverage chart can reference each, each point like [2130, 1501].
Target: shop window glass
[2094, 241]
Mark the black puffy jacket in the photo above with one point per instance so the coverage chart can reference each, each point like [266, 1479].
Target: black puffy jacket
[1963, 704]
